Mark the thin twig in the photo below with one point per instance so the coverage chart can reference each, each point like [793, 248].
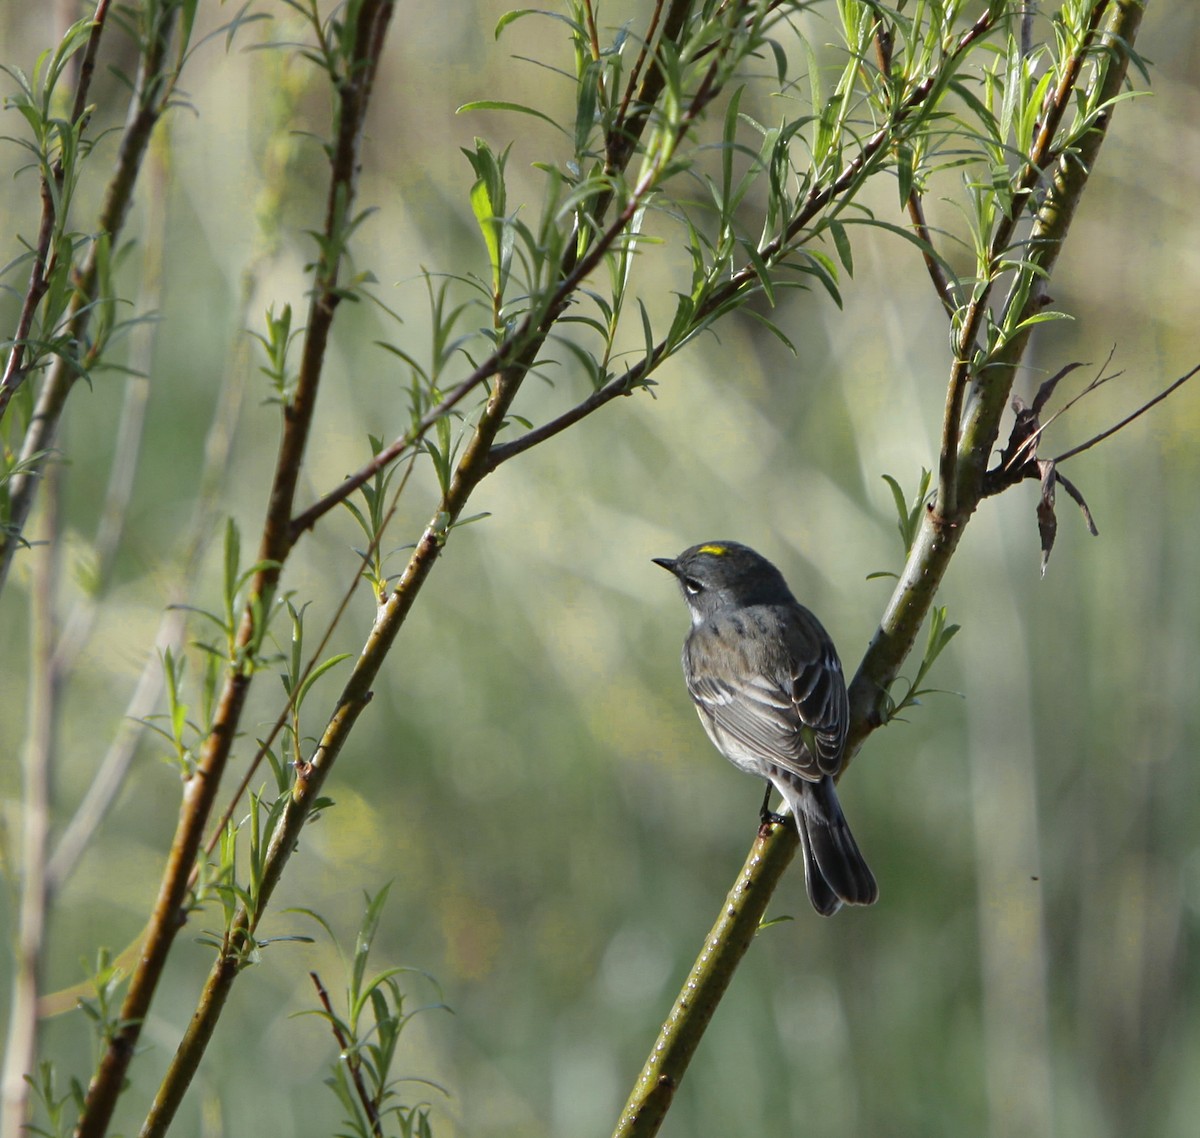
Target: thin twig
[1028, 446]
[638, 63]
[1128, 418]
[941, 283]
[152, 95]
[593, 35]
[264, 744]
[1041, 153]
[915, 205]
[628, 129]
[43, 261]
[353, 1063]
[41, 746]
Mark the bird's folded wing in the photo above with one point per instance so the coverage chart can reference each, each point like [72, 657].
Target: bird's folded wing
[762, 719]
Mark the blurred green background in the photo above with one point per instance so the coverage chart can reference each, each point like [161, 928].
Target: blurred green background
[531, 777]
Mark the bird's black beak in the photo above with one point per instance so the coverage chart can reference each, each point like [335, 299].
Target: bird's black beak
[668, 563]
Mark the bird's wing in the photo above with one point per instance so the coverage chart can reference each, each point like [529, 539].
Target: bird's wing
[819, 696]
[791, 710]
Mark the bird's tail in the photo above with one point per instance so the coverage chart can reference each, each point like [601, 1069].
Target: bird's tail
[835, 871]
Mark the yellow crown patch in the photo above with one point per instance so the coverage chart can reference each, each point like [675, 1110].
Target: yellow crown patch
[715, 550]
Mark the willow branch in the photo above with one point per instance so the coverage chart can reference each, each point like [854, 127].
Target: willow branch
[356, 694]
[520, 349]
[110, 775]
[311, 775]
[14, 374]
[36, 766]
[727, 942]
[924, 570]
[370, 1107]
[915, 205]
[265, 742]
[201, 787]
[939, 533]
[623, 139]
[471, 469]
[635, 72]
[1033, 172]
[152, 92]
[747, 277]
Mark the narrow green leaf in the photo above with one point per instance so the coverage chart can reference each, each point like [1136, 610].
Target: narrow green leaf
[519, 13]
[898, 498]
[912, 238]
[822, 267]
[842, 244]
[501, 105]
[647, 332]
[771, 327]
[481, 206]
[1013, 88]
[760, 270]
[591, 365]
[905, 173]
[317, 673]
[685, 310]
[232, 555]
[585, 105]
[730, 140]
[513, 16]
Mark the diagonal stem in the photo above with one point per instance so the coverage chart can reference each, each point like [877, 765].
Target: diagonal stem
[152, 93]
[727, 942]
[962, 372]
[201, 788]
[926, 565]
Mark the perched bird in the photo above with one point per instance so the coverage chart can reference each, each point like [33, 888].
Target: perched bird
[768, 686]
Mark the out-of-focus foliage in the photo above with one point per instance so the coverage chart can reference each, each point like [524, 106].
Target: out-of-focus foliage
[530, 777]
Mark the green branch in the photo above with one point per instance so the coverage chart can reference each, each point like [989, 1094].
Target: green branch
[910, 604]
[940, 532]
[967, 366]
[727, 942]
[153, 88]
[201, 788]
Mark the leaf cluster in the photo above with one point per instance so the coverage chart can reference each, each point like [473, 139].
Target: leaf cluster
[368, 1032]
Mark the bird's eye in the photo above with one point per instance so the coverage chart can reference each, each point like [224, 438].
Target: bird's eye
[692, 586]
